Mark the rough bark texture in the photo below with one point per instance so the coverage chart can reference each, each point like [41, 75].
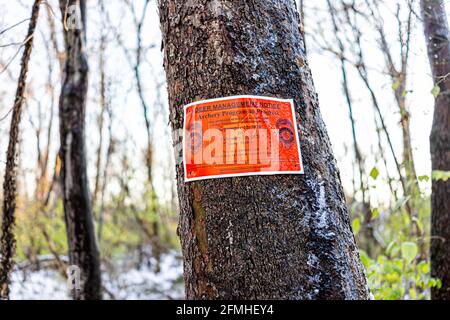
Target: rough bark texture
[437, 37]
[83, 251]
[278, 237]
[7, 240]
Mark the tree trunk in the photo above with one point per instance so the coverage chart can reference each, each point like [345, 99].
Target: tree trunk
[368, 237]
[437, 37]
[7, 241]
[261, 237]
[83, 251]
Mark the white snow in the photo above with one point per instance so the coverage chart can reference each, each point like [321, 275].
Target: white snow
[123, 283]
[322, 205]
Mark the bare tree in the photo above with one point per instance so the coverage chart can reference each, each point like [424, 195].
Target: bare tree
[265, 236]
[103, 106]
[135, 59]
[437, 36]
[350, 51]
[398, 72]
[10, 184]
[367, 213]
[351, 19]
[83, 250]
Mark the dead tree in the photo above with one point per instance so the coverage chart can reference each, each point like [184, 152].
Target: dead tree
[438, 43]
[103, 107]
[83, 250]
[363, 72]
[399, 76]
[367, 213]
[260, 237]
[135, 59]
[8, 241]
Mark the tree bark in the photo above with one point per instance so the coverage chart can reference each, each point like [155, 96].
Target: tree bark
[437, 37]
[7, 241]
[261, 237]
[83, 251]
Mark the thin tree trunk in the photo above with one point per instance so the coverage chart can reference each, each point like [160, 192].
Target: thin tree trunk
[83, 251]
[53, 38]
[263, 236]
[105, 107]
[399, 83]
[363, 74]
[156, 241]
[8, 241]
[368, 229]
[135, 62]
[301, 10]
[437, 37]
[382, 157]
[109, 153]
[42, 179]
[101, 118]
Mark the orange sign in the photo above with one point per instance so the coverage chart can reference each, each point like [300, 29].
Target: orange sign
[240, 136]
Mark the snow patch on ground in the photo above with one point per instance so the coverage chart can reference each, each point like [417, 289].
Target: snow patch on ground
[38, 285]
[141, 283]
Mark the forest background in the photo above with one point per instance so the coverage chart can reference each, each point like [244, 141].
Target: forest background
[384, 163]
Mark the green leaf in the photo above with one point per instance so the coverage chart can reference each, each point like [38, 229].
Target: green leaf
[390, 248]
[439, 175]
[424, 178]
[423, 267]
[375, 213]
[396, 85]
[365, 259]
[413, 293]
[409, 251]
[374, 173]
[436, 91]
[356, 225]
